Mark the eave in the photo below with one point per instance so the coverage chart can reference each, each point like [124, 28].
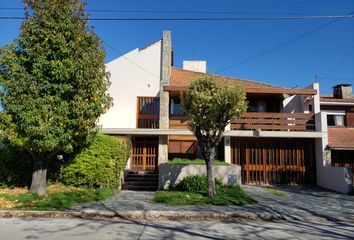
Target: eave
[292, 91]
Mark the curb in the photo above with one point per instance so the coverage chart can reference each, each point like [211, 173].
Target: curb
[165, 215]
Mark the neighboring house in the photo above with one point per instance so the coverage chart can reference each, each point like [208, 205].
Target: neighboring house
[278, 141]
[339, 110]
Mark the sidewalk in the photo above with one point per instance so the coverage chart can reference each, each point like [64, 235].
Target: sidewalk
[300, 203]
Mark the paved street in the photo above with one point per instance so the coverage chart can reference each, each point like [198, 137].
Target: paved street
[73, 229]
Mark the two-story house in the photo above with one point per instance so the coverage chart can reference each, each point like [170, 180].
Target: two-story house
[339, 110]
[278, 141]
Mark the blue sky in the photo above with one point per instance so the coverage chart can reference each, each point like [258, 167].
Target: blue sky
[288, 53]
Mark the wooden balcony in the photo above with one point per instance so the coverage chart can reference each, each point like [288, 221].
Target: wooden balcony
[274, 122]
[262, 121]
[178, 122]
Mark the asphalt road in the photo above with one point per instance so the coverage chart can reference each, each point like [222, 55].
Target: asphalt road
[72, 229]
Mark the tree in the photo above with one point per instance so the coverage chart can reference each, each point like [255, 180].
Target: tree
[53, 82]
[210, 105]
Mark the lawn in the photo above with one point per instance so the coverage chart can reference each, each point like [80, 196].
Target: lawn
[186, 161]
[58, 197]
[274, 191]
[233, 195]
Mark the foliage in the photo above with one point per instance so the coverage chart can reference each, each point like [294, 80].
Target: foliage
[195, 184]
[226, 196]
[98, 165]
[15, 167]
[274, 191]
[55, 200]
[186, 161]
[53, 81]
[211, 104]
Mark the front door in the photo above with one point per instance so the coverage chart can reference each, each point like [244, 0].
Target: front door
[144, 155]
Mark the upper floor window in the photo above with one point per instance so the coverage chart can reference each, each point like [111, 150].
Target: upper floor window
[335, 118]
[148, 112]
[257, 106]
[176, 107]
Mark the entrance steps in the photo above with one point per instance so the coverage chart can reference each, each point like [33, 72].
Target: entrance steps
[141, 181]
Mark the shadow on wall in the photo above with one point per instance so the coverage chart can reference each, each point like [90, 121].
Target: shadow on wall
[172, 174]
[168, 175]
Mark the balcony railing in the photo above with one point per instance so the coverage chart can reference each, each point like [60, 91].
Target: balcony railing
[178, 122]
[274, 122]
[260, 121]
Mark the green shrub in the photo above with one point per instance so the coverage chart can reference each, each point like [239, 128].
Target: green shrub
[196, 184]
[15, 167]
[98, 165]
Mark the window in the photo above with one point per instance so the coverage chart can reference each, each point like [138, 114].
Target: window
[176, 107]
[335, 119]
[257, 106]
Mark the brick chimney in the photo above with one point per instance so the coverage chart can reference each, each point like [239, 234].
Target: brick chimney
[343, 91]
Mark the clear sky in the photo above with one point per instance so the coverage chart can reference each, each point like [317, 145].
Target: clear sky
[288, 53]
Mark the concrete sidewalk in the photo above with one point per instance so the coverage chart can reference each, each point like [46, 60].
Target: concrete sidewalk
[300, 203]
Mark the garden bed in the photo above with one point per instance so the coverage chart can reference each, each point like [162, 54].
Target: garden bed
[59, 197]
[233, 195]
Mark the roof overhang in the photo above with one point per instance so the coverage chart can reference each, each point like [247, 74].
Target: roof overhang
[292, 91]
[337, 103]
[340, 148]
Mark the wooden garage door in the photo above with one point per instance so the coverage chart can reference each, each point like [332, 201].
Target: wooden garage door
[144, 155]
[275, 161]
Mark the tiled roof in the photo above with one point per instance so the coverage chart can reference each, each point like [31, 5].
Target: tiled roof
[181, 77]
[326, 98]
[341, 138]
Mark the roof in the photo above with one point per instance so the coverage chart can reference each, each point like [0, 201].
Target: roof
[181, 78]
[326, 98]
[341, 138]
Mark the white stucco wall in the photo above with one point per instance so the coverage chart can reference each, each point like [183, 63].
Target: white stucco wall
[172, 174]
[134, 74]
[334, 178]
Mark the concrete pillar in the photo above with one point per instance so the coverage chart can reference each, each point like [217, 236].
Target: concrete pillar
[166, 58]
[227, 146]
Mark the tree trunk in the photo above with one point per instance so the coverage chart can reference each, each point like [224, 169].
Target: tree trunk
[39, 176]
[210, 173]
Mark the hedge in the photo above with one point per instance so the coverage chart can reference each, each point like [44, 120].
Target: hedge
[98, 165]
[15, 167]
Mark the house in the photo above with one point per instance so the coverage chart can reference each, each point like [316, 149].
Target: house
[338, 109]
[278, 141]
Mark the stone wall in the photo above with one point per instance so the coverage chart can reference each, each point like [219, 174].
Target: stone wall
[166, 55]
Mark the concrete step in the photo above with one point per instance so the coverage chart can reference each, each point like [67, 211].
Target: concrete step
[126, 186]
[141, 181]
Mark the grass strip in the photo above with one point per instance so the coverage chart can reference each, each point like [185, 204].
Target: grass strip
[232, 195]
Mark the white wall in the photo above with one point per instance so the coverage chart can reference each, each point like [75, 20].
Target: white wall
[172, 174]
[333, 178]
[134, 74]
